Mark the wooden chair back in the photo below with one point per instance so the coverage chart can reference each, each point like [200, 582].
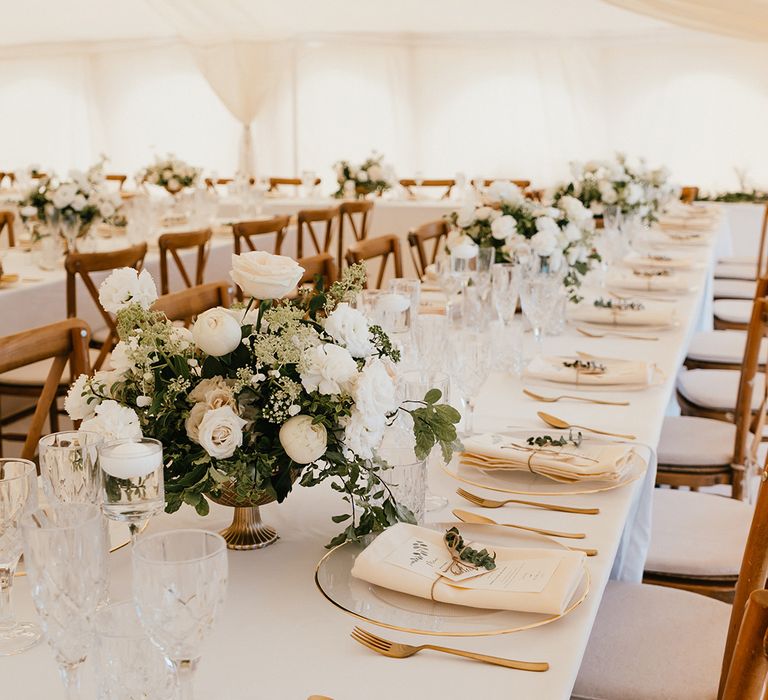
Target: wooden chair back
[187, 304]
[409, 183]
[10, 175]
[211, 183]
[348, 211]
[746, 678]
[6, 224]
[174, 242]
[118, 178]
[63, 342]
[276, 182]
[420, 238]
[319, 225]
[245, 230]
[323, 266]
[688, 194]
[379, 247]
[82, 265]
[522, 184]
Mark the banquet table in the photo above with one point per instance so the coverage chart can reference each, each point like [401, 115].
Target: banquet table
[278, 638]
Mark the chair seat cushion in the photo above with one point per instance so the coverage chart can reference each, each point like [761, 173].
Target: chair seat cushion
[734, 271]
[733, 289]
[36, 373]
[716, 389]
[653, 643]
[739, 260]
[732, 310]
[697, 534]
[720, 346]
[696, 442]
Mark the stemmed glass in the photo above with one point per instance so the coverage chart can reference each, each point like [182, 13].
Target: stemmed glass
[179, 584]
[65, 553]
[18, 496]
[463, 262]
[505, 280]
[470, 367]
[482, 274]
[540, 291]
[431, 335]
[132, 485]
[69, 466]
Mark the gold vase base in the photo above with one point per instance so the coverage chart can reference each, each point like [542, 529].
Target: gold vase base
[247, 531]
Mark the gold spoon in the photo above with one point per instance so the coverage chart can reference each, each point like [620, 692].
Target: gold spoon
[617, 334]
[556, 422]
[552, 399]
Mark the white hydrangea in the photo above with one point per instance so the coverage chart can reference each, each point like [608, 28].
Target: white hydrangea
[327, 369]
[125, 286]
[349, 327]
[75, 402]
[113, 421]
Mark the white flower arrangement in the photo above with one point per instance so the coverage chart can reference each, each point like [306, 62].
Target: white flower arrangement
[255, 398]
[372, 175]
[171, 173]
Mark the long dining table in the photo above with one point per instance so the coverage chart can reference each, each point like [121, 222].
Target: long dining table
[278, 638]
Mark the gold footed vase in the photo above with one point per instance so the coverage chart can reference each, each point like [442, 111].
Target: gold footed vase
[246, 531]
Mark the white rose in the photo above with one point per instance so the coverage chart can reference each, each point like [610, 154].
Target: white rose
[505, 191]
[362, 176]
[327, 369]
[28, 211]
[633, 193]
[303, 440]
[75, 403]
[220, 432]
[574, 209]
[192, 424]
[113, 422]
[125, 286]
[483, 212]
[572, 232]
[64, 195]
[544, 243]
[466, 216]
[349, 327]
[503, 227]
[174, 184]
[106, 209]
[213, 393]
[262, 275]
[456, 238]
[376, 173]
[607, 192]
[78, 202]
[216, 333]
[546, 223]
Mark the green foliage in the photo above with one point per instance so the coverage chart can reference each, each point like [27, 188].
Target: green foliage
[548, 440]
[481, 559]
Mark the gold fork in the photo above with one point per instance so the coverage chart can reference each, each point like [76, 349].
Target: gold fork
[552, 399]
[631, 336]
[491, 503]
[395, 650]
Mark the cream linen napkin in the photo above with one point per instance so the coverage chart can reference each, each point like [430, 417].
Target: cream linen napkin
[567, 464]
[649, 315]
[650, 283]
[374, 564]
[658, 262]
[616, 371]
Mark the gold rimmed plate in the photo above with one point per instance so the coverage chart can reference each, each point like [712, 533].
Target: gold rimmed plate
[406, 613]
[522, 481]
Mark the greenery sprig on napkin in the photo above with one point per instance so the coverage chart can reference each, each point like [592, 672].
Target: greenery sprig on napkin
[618, 304]
[482, 559]
[562, 441]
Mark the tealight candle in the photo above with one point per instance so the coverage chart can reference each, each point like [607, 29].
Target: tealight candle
[130, 460]
[465, 251]
[393, 303]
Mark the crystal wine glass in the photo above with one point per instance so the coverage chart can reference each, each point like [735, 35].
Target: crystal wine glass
[470, 367]
[431, 335]
[481, 277]
[18, 496]
[65, 553]
[179, 585]
[69, 466]
[505, 280]
[133, 485]
[540, 291]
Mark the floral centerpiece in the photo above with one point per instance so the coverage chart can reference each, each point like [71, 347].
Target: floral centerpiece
[372, 176]
[171, 173]
[72, 205]
[518, 227]
[250, 400]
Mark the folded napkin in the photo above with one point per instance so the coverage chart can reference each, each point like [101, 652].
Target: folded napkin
[687, 224]
[650, 315]
[383, 564]
[615, 371]
[567, 464]
[649, 283]
[658, 262]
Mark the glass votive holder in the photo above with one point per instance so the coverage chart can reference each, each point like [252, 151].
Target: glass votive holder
[69, 466]
[407, 288]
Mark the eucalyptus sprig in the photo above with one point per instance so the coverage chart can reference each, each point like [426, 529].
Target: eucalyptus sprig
[619, 304]
[587, 366]
[481, 559]
[547, 440]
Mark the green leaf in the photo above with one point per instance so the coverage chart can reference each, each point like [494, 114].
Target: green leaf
[341, 518]
[433, 396]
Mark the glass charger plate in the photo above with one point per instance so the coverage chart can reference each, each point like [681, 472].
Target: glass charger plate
[407, 613]
[630, 328]
[519, 481]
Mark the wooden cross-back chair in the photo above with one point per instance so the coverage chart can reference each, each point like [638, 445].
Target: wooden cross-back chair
[276, 182]
[11, 177]
[432, 233]
[702, 647]
[118, 178]
[174, 242]
[187, 304]
[381, 248]
[82, 265]
[322, 265]
[363, 210]
[688, 194]
[522, 184]
[408, 183]
[6, 224]
[58, 344]
[745, 419]
[319, 225]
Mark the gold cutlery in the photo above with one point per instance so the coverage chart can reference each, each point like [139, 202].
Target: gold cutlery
[648, 297]
[559, 423]
[491, 503]
[396, 650]
[552, 399]
[631, 336]
[466, 517]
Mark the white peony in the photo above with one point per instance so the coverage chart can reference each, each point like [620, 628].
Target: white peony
[303, 440]
[574, 209]
[633, 193]
[125, 286]
[119, 359]
[262, 275]
[544, 243]
[376, 173]
[75, 404]
[503, 227]
[327, 369]
[220, 432]
[216, 333]
[607, 192]
[483, 213]
[572, 233]
[64, 195]
[349, 328]
[113, 422]
[505, 191]
[548, 224]
[79, 202]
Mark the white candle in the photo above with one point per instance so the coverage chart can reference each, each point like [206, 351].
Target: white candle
[130, 460]
[393, 303]
[465, 251]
